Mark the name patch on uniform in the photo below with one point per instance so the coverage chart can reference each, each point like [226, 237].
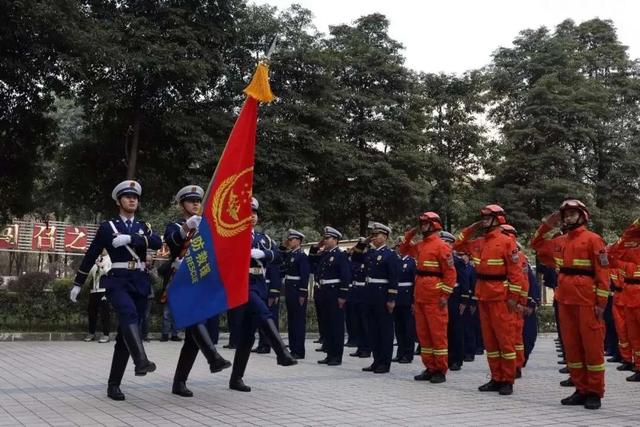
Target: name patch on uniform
[602, 257]
[379, 257]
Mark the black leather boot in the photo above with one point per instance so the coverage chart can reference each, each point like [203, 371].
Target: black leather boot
[490, 386]
[133, 340]
[273, 336]
[203, 340]
[113, 391]
[240, 359]
[180, 388]
[574, 400]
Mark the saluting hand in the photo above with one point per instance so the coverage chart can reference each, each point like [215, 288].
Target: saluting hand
[553, 219]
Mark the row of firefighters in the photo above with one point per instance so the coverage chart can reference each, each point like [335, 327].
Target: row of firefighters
[428, 282]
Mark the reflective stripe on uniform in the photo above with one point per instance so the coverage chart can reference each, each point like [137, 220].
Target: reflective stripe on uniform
[431, 264]
[329, 281]
[595, 368]
[582, 262]
[287, 277]
[559, 261]
[425, 350]
[495, 261]
[443, 286]
[374, 280]
[508, 356]
[404, 284]
[519, 347]
[440, 352]
[493, 354]
[576, 365]
[359, 283]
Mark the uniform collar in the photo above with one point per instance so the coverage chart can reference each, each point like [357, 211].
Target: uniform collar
[493, 233]
[381, 247]
[577, 231]
[125, 219]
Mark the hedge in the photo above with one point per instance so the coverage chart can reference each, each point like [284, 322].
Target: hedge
[37, 302]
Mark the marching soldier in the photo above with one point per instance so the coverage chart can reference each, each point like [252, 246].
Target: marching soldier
[457, 304]
[403, 320]
[499, 279]
[382, 268]
[255, 313]
[126, 240]
[274, 285]
[583, 288]
[177, 235]
[435, 280]
[333, 276]
[296, 287]
[357, 300]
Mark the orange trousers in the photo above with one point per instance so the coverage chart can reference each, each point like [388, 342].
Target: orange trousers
[497, 324]
[621, 329]
[632, 317]
[582, 336]
[518, 339]
[431, 328]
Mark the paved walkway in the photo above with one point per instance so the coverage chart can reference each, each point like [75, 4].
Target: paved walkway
[63, 383]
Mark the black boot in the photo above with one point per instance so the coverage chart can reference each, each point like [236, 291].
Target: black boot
[506, 389]
[574, 400]
[240, 359]
[437, 378]
[490, 386]
[113, 391]
[564, 370]
[118, 363]
[614, 359]
[203, 340]
[238, 385]
[567, 383]
[626, 366]
[271, 333]
[424, 376]
[180, 388]
[518, 372]
[592, 401]
[133, 340]
[634, 378]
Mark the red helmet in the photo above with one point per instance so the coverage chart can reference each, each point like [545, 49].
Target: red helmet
[509, 229]
[432, 218]
[575, 204]
[495, 211]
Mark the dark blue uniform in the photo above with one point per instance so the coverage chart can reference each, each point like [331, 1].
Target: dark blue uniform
[357, 299]
[255, 313]
[530, 329]
[404, 322]
[455, 326]
[382, 266]
[333, 275]
[127, 284]
[274, 285]
[550, 280]
[296, 285]
[473, 344]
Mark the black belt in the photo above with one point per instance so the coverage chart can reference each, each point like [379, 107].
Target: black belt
[500, 277]
[428, 273]
[632, 281]
[577, 272]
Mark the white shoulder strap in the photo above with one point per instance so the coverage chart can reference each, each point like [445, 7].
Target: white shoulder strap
[131, 251]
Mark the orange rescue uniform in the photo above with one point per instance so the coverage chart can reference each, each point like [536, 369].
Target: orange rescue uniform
[499, 278]
[583, 284]
[435, 279]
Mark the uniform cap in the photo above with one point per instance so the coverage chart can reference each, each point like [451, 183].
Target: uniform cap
[294, 234]
[190, 192]
[378, 227]
[332, 232]
[254, 204]
[126, 187]
[447, 237]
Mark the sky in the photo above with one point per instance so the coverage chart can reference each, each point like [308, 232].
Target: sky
[454, 36]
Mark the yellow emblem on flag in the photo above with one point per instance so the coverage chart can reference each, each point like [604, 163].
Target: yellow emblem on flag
[228, 214]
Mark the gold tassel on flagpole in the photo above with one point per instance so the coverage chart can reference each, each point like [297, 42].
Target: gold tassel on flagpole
[259, 87]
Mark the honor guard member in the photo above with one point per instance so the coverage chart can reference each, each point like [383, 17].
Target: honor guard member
[255, 313]
[197, 337]
[499, 279]
[583, 288]
[296, 289]
[403, 320]
[274, 285]
[127, 284]
[472, 334]
[530, 331]
[382, 267]
[435, 280]
[356, 298]
[333, 275]
[457, 304]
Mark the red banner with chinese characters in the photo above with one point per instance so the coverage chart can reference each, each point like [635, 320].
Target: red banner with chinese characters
[75, 239]
[43, 237]
[9, 237]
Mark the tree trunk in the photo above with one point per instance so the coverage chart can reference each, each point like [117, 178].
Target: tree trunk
[362, 212]
[133, 149]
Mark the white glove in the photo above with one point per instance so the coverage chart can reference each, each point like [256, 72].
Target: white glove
[75, 291]
[121, 240]
[176, 264]
[257, 253]
[194, 222]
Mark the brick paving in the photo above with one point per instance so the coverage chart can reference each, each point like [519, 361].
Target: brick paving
[63, 384]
